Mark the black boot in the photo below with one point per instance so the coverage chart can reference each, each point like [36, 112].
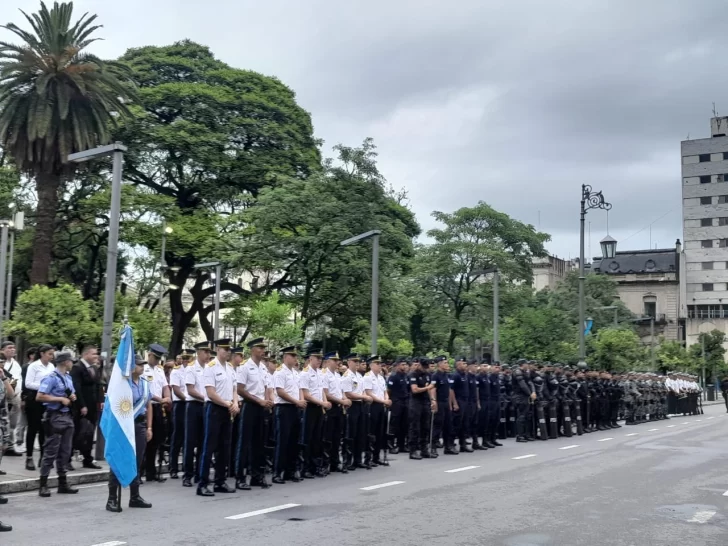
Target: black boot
[136, 500]
[29, 464]
[278, 479]
[450, 450]
[416, 455]
[112, 504]
[244, 484]
[5, 528]
[44, 491]
[63, 487]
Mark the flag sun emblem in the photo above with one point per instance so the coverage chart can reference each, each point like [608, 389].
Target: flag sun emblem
[124, 406]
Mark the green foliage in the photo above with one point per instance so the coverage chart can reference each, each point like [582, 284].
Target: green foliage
[540, 333]
[271, 318]
[672, 356]
[59, 316]
[617, 350]
[149, 326]
[714, 354]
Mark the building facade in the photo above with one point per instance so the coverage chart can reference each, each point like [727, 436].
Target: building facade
[705, 232]
[550, 271]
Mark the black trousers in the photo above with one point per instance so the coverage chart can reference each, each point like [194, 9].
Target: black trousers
[356, 432]
[333, 429]
[178, 434]
[377, 428]
[194, 435]
[34, 414]
[250, 449]
[92, 416]
[442, 424]
[461, 422]
[157, 442]
[419, 424]
[521, 406]
[399, 422]
[312, 437]
[140, 436]
[288, 427]
[218, 435]
[472, 419]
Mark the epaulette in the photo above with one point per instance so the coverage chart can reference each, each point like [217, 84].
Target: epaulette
[367, 374]
[211, 364]
[306, 369]
[347, 372]
[279, 367]
[177, 367]
[145, 378]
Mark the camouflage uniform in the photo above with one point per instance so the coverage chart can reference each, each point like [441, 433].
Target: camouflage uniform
[4, 421]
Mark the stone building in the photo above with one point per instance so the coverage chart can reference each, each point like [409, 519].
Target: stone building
[550, 271]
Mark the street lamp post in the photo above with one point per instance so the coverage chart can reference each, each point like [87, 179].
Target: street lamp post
[5, 226]
[166, 230]
[374, 235]
[218, 274]
[589, 200]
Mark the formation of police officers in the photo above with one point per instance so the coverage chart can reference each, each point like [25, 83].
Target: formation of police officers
[247, 418]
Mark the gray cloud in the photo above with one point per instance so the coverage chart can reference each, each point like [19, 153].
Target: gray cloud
[513, 102]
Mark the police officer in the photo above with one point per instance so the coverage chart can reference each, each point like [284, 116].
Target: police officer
[288, 401]
[179, 404]
[336, 418]
[461, 391]
[442, 423]
[221, 407]
[194, 420]
[312, 388]
[142, 408]
[253, 383]
[353, 387]
[522, 396]
[375, 386]
[494, 406]
[422, 404]
[399, 391]
[56, 393]
[160, 403]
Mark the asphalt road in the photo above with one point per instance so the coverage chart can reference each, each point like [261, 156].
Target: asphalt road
[662, 483]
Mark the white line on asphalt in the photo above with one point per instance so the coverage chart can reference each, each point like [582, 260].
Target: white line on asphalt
[112, 543]
[725, 494]
[670, 426]
[373, 487]
[632, 434]
[698, 420]
[709, 418]
[524, 457]
[702, 517]
[264, 511]
[463, 469]
[653, 429]
[605, 439]
[569, 447]
[685, 423]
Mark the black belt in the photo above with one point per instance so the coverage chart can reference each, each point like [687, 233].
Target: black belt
[179, 401]
[140, 419]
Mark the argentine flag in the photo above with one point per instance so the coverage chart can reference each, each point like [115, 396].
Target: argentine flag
[117, 420]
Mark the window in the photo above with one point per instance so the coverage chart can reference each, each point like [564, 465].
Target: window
[722, 199]
[703, 158]
[706, 200]
[650, 308]
[725, 156]
[723, 177]
[706, 243]
[723, 243]
[705, 179]
[707, 265]
[706, 222]
[723, 221]
[707, 287]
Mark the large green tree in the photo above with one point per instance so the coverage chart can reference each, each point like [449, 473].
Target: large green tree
[55, 99]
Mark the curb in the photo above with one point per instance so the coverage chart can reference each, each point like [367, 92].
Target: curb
[31, 484]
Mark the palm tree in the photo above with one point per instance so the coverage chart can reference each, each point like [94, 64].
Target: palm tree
[55, 100]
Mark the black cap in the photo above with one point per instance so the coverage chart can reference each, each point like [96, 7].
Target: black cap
[257, 342]
[60, 358]
[203, 346]
[292, 350]
[157, 350]
[425, 362]
[238, 350]
[139, 361]
[439, 359]
[223, 343]
[187, 353]
[353, 356]
[374, 359]
[332, 356]
[314, 351]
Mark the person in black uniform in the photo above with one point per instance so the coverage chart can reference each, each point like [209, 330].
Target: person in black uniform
[461, 391]
[443, 417]
[494, 406]
[422, 404]
[86, 381]
[399, 392]
[473, 403]
[483, 404]
[522, 394]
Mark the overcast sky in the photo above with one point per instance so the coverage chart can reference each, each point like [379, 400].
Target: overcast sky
[516, 103]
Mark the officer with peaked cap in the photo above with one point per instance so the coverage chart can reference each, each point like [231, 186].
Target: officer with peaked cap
[422, 404]
[179, 404]
[160, 400]
[399, 393]
[194, 419]
[312, 389]
[288, 401]
[353, 387]
[336, 418]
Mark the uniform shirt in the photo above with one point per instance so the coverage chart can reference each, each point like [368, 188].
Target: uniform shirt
[376, 384]
[483, 386]
[460, 386]
[159, 381]
[55, 384]
[137, 392]
[472, 387]
[352, 382]
[332, 383]
[177, 379]
[442, 382]
[398, 385]
[287, 380]
[36, 372]
[311, 380]
[253, 377]
[420, 378]
[194, 376]
[222, 378]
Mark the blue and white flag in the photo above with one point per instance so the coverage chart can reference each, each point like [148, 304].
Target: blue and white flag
[117, 420]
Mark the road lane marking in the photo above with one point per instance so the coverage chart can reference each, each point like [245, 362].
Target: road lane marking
[653, 429]
[569, 447]
[702, 517]
[605, 439]
[685, 423]
[263, 511]
[632, 434]
[112, 543]
[709, 418]
[381, 485]
[698, 420]
[670, 426]
[463, 469]
[524, 457]
[725, 494]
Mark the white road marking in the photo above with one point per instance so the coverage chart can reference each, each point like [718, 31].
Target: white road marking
[264, 511]
[463, 469]
[524, 457]
[373, 487]
[112, 543]
[709, 418]
[702, 517]
[670, 426]
[653, 429]
[632, 434]
[569, 447]
[698, 420]
[685, 423]
[725, 494]
[605, 439]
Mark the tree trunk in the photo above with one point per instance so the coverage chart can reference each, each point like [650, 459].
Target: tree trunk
[46, 185]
